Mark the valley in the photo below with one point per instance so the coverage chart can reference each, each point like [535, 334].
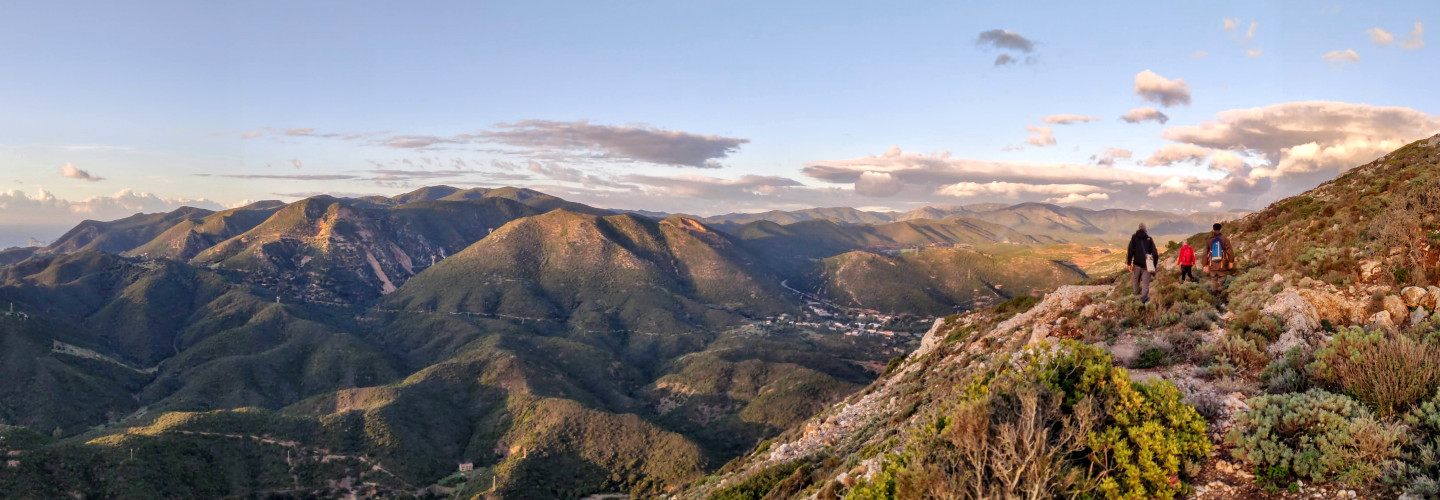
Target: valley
[448, 326]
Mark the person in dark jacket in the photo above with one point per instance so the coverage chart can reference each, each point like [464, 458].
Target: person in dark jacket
[1141, 249]
[1219, 258]
[1187, 262]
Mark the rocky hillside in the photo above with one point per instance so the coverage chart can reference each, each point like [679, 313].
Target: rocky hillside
[1311, 375]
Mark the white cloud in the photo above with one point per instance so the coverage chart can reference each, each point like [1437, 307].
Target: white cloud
[1066, 119]
[1171, 154]
[296, 163]
[1255, 52]
[1200, 54]
[1226, 161]
[1109, 155]
[1309, 136]
[879, 184]
[1416, 40]
[1216, 204]
[700, 186]
[1012, 189]
[1041, 136]
[1336, 57]
[45, 209]
[1147, 114]
[1152, 87]
[68, 170]
[1380, 36]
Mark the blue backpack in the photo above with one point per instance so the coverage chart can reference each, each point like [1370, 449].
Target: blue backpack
[1217, 251]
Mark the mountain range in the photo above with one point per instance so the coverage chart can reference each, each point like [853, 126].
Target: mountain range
[372, 345]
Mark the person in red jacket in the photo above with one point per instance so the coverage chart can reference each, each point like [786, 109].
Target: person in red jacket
[1187, 262]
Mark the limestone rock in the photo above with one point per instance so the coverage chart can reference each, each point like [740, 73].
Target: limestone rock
[1412, 295]
[1419, 316]
[1382, 321]
[1337, 309]
[1299, 314]
[1396, 307]
[1090, 311]
[1432, 298]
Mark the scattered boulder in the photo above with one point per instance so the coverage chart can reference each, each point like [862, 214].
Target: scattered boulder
[1090, 311]
[1382, 321]
[1412, 295]
[1432, 298]
[1396, 307]
[1419, 316]
[1299, 314]
[1335, 308]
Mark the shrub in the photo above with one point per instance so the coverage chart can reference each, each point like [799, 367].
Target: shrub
[1390, 373]
[1017, 305]
[756, 486]
[1149, 434]
[1064, 425]
[1244, 353]
[1287, 374]
[1315, 436]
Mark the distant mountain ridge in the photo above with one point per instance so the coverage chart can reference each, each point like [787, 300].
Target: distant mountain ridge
[624, 351]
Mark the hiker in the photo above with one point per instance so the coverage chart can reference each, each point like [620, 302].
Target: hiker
[1140, 260]
[1219, 258]
[1187, 262]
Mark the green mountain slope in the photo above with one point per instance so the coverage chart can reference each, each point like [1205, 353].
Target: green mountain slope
[937, 281]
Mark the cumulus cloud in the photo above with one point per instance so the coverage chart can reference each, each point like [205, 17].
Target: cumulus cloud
[1065, 119]
[1226, 161]
[1040, 136]
[1005, 40]
[1416, 40]
[1152, 87]
[979, 180]
[1004, 59]
[879, 184]
[46, 216]
[70, 171]
[700, 186]
[1380, 36]
[1309, 136]
[1336, 57]
[1109, 155]
[1012, 189]
[1171, 154]
[1147, 114]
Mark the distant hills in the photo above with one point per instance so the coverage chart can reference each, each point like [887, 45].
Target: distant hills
[560, 349]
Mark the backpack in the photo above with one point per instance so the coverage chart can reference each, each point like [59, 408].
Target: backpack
[1217, 250]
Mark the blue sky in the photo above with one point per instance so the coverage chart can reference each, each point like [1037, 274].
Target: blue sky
[794, 102]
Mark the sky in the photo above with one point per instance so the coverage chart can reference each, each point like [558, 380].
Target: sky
[114, 108]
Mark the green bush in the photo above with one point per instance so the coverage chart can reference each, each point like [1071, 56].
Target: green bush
[1149, 434]
[1067, 424]
[755, 487]
[1390, 373]
[1287, 374]
[1316, 436]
